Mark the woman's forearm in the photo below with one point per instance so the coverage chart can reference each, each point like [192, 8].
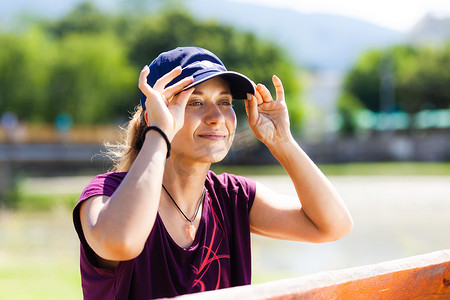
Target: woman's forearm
[126, 220]
[319, 199]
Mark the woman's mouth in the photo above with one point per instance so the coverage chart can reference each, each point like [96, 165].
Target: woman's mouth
[213, 137]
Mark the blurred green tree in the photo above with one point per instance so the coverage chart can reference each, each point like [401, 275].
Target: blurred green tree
[92, 79]
[417, 79]
[25, 68]
[423, 78]
[85, 75]
[85, 18]
[87, 63]
[362, 82]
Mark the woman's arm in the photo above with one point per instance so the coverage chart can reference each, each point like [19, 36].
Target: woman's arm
[319, 214]
[117, 227]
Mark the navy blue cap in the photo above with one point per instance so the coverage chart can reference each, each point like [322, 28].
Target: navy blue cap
[202, 65]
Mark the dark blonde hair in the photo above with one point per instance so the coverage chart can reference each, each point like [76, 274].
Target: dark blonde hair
[124, 152]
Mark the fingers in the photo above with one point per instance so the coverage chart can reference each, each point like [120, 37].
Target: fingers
[259, 98]
[157, 96]
[264, 92]
[251, 107]
[177, 87]
[178, 105]
[143, 85]
[161, 83]
[182, 98]
[278, 88]
[143, 78]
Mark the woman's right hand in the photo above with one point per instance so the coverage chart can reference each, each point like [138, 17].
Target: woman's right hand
[165, 106]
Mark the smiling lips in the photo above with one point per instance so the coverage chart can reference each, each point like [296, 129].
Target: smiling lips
[213, 136]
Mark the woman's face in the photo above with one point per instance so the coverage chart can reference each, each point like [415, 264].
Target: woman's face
[209, 123]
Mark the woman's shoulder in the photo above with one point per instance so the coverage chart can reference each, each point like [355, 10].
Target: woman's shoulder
[229, 181]
[110, 176]
[225, 177]
[104, 184]
[234, 192]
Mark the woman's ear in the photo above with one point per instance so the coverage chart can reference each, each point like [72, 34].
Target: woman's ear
[146, 118]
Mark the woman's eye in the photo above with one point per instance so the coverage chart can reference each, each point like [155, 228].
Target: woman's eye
[226, 102]
[195, 103]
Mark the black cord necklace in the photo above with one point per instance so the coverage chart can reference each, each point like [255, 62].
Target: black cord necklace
[189, 228]
[196, 211]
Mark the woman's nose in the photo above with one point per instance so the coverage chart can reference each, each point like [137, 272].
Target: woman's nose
[214, 115]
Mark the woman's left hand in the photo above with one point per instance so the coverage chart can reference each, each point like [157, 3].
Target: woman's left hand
[268, 118]
[318, 214]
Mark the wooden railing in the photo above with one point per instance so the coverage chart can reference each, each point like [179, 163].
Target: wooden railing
[419, 277]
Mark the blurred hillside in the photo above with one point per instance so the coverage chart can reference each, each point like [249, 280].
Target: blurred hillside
[316, 41]
[430, 30]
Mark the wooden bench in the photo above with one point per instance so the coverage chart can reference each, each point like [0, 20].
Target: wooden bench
[420, 277]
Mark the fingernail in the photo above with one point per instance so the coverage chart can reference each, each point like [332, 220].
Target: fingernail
[249, 96]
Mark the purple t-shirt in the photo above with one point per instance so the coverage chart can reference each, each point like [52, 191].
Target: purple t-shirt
[218, 258]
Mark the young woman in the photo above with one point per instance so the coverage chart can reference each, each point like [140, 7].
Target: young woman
[163, 224]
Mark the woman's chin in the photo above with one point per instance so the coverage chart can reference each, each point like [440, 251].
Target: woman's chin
[214, 157]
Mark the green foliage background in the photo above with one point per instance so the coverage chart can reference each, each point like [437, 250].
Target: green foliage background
[87, 63]
[419, 79]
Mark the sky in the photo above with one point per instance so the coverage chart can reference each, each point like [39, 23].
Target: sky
[399, 15]
[394, 14]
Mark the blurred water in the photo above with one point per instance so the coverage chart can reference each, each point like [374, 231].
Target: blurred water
[394, 217]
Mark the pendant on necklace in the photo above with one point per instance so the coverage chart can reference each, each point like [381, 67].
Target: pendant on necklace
[190, 231]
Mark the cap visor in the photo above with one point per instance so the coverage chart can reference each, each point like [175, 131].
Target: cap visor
[240, 84]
